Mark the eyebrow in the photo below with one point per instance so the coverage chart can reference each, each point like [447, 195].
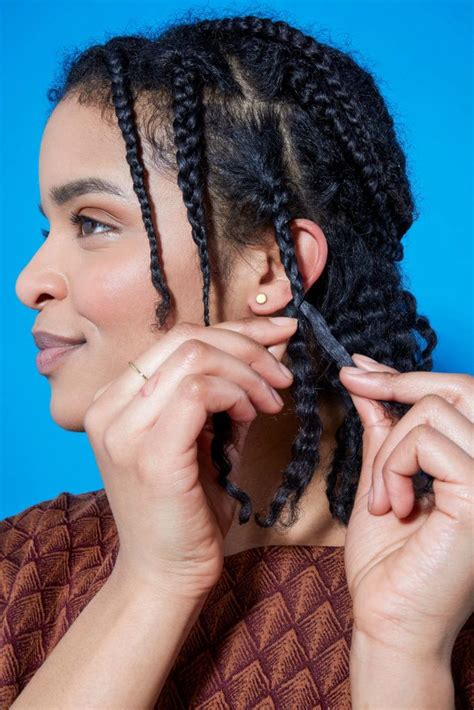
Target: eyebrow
[63, 193]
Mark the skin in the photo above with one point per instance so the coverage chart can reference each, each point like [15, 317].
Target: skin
[408, 564]
[98, 288]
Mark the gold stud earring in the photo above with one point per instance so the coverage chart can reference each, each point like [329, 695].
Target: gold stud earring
[261, 298]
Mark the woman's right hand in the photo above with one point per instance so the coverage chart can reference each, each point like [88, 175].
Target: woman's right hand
[153, 449]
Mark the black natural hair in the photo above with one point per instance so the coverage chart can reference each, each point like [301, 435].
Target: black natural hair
[262, 124]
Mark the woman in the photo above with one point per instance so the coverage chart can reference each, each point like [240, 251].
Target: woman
[276, 157]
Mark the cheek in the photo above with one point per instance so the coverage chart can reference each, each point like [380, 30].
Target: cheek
[117, 296]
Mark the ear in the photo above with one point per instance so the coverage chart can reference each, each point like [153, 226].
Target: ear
[311, 250]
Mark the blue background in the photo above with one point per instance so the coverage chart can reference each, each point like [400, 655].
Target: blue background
[419, 54]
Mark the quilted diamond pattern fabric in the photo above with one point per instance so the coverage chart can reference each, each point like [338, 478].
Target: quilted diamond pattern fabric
[275, 631]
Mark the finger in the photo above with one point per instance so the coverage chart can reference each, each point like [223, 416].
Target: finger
[427, 449]
[367, 363]
[240, 336]
[440, 415]
[433, 411]
[196, 396]
[409, 387]
[193, 357]
[377, 424]
[374, 420]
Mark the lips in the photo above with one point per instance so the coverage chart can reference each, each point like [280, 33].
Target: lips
[47, 359]
[44, 339]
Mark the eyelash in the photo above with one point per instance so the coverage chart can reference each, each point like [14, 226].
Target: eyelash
[78, 219]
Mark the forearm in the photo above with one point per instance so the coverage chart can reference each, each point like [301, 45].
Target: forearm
[117, 653]
[397, 679]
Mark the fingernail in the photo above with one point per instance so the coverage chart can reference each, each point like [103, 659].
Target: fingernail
[365, 358]
[371, 498]
[278, 350]
[288, 373]
[283, 320]
[276, 396]
[354, 371]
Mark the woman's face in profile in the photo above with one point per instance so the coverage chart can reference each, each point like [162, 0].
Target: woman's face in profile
[92, 281]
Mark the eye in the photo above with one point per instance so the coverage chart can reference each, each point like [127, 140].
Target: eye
[85, 222]
[88, 223]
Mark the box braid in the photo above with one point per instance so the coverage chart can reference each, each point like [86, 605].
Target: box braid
[305, 449]
[306, 77]
[190, 157]
[359, 298]
[340, 109]
[124, 111]
[189, 142]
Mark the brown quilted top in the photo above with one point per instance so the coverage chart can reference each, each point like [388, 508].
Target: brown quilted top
[275, 631]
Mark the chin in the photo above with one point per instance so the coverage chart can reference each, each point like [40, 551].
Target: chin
[67, 414]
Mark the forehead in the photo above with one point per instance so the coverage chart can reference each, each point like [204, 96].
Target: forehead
[78, 141]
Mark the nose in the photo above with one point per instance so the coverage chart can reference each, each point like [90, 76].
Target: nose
[38, 282]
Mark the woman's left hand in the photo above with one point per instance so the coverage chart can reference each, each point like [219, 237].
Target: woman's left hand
[409, 563]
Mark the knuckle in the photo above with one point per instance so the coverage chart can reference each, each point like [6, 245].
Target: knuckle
[430, 403]
[193, 386]
[462, 388]
[112, 441]
[466, 389]
[466, 382]
[257, 351]
[465, 494]
[185, 330]
[422, 432]
[262, 350]
[91, 420]
[192, 350]
[393, 380]
[396, 378]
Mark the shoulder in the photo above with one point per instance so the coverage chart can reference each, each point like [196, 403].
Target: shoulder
[54, 555]
[51, 528]
[63, 510]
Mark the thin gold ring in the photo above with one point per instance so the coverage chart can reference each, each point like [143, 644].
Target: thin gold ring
[132, 364]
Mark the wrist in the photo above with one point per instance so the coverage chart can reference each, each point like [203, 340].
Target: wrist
[398, 677]
[392, 638]
[156, 593]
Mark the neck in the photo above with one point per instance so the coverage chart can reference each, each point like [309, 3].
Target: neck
[266, 454]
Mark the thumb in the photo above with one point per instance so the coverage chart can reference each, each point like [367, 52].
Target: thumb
[376, 424]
